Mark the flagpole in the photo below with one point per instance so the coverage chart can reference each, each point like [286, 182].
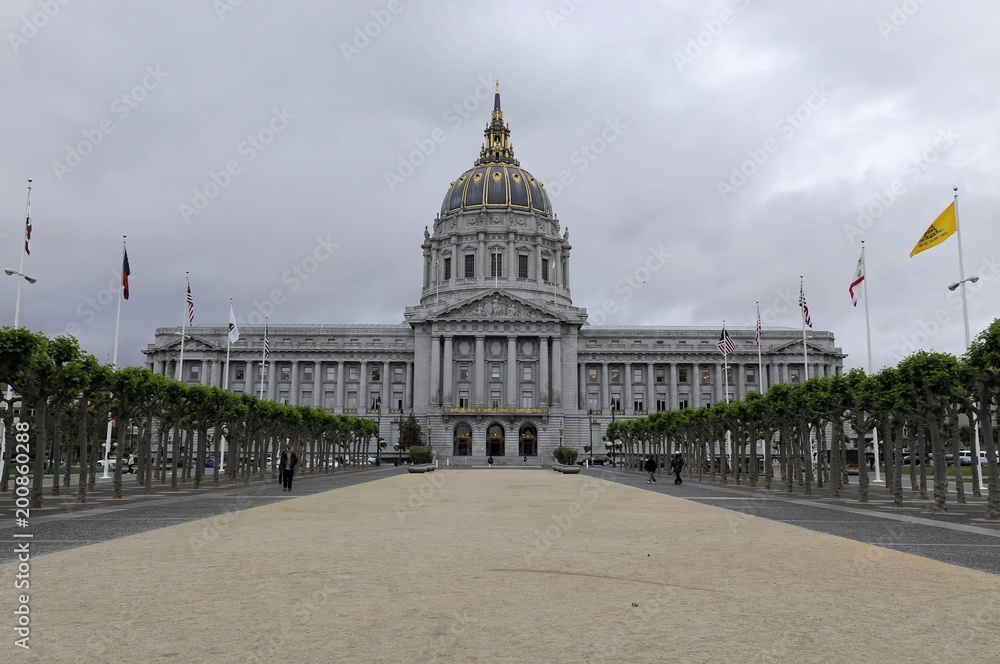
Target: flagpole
[225, 388]
[725, 386]
[968, 340]
[24, 250]
[868, 333]
[263, 360]
[805, 352]
[760, 358]
[180, 361]
[17, 318]
[114, 363]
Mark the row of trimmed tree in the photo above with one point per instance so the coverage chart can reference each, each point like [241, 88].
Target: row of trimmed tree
[64, 399]
[924, 403]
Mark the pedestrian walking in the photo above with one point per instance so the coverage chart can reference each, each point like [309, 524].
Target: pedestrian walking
[676, 466]
[490, 461]
[650, 466]
[131, 462]
[287, 468]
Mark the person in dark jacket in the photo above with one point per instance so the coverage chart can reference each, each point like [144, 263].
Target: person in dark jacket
[287, 468]
[676, 466]
[650, 466]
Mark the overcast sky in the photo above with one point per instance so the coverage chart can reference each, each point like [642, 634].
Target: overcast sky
[290, 154]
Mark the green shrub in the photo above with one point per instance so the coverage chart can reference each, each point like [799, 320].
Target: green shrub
[420, 454]
[566, 455]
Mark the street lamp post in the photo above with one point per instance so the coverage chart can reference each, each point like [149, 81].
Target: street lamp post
[378, 443]
[975, 425]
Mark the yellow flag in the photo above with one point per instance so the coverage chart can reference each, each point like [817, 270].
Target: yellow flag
[943, 226]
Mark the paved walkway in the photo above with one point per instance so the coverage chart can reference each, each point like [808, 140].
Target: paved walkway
[519, 565]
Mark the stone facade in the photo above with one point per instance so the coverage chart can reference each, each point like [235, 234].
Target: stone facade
[495, 359]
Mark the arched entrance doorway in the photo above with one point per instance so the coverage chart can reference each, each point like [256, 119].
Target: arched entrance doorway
[527, 441]
[495, 440]
[462, 442]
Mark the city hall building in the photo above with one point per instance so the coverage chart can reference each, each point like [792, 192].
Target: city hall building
[495, 359]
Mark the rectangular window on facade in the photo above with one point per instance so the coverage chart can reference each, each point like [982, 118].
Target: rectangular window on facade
[661, 404]
[470, 266]
[284, 372]
[353, 372]
[682, 403]
[240, 372]
[354, 342]
[682, 374]
[496, 265]
[661, 374]
[616, 402]
[463, 398]
[376, 374]
[352, 400]
[307, 373]
[194, 371]
[527, 399]
[329, 399]
[494, 398]
[463, 372]
[398, 374]
[447, 269]
[494, 372]
[637, 375]
[526, 372]
[794, 376]
[522, 266]
[706, 375]
[397, 400]
[373, 401]
[283, 396]
[593, 401]
[331, 373]
[751, 375]
[616, 375]
[307, 399]
[637, 403]
[592, 374]
[545, 269]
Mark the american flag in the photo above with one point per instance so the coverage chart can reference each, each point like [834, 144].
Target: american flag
[267, 345]
[805, 307]
[190, 303]
[126, 271]
[726, 345]
[756, 337]
[27, 224]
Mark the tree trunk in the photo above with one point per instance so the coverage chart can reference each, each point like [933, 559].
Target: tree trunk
[55, 465]
[940, 468]
[81, 488]
[897, 463]
[955, 462]
[41, 434]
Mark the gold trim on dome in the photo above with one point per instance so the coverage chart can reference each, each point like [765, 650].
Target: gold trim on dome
[477, 177]
[496, 176]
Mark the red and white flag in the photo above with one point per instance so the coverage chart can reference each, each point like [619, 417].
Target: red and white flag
[805, 307]
[859, 276]
[190, 305]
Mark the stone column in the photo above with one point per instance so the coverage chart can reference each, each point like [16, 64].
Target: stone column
[481, 260]
[605, 387]
[582, 390]
[627, 402]
[384, 392]
[317, 384]
[204, 373]
[543, 372]
[435, 370]
[293, 388]
[158, 367]
[557, 369]
[480, 371]
[272, 380]
[650, 388]
[363, 388]
[511, 372]
[674, 397]
[341, 388]
[511, 259]
[408, 386]
[448, 382]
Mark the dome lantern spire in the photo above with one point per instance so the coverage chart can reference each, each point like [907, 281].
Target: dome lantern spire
[497, 147]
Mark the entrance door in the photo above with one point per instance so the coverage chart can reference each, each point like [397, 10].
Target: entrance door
[527, 441]
[495, 440]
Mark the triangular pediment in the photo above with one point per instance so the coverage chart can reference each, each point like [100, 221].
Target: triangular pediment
[797, 346]
[497, 306]
[192, 344]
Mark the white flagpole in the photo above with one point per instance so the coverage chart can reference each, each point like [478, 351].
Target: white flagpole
[114, 364]
[725, 386]
[225, 388]
[180, 361]
[805, 352]
[263, 360]
[17, 318]
[868, 333]
[968, 340]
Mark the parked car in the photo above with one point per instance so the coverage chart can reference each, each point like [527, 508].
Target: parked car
[111, 463]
